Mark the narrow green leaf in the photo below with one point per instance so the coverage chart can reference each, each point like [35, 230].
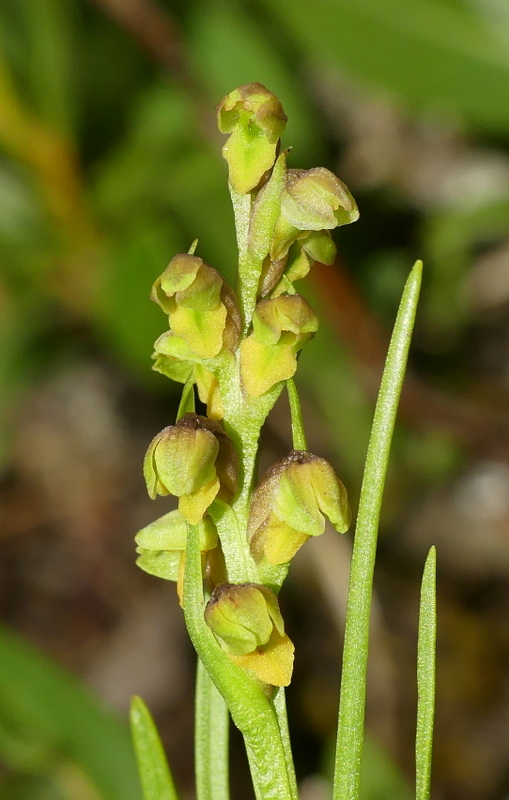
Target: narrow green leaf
[155, 775]
[210, 739]
[426, 648]
[355, 653]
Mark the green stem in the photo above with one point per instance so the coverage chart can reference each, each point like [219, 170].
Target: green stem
[282, 718]
[298, 434]
[426, 647]
[251, 711]
[248, 274]
[210, 739]
[355, 653]
[243, 419]
[244, 415]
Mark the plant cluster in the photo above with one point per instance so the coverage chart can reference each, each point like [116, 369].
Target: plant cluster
[231, 540]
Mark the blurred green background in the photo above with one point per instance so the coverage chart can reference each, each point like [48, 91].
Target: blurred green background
[109, 164]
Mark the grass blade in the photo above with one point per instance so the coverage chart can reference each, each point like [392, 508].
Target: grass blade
[426, 649]
[355, 653]
[155, 775]
[212, 723]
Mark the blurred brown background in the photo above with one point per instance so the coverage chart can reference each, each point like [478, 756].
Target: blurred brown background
[109, 164]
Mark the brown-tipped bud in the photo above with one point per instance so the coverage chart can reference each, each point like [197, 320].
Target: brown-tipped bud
[291, 503]
[281, 327]
[255, 120]
[252, 104]
[248, 624]
[193, 460]
[315, 199]
[201, 308]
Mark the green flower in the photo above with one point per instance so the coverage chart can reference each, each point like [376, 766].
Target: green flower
[281, 327]
[193, 460]
[255, 120]
[161, 547]
[248, 624]
[291, 503]
[313, 200]
[201, 307]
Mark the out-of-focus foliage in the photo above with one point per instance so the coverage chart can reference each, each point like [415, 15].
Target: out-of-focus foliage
[110, 163]
[55, 736]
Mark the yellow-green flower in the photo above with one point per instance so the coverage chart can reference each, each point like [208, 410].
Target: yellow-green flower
[193, 460]
[281, 327]
[291, 503]
[248, 624]
[201, 307]
[255, 120]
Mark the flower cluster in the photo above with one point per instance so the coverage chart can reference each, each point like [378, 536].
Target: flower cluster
[238, 348]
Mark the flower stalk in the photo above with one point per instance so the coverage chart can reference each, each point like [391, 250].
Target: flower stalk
[231, 541]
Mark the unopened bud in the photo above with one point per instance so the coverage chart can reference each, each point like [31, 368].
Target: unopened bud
[255, 120]
[291, 503]
[312, 200]
[281, 327]
[192, 460]
[316, 199]
[248, 624]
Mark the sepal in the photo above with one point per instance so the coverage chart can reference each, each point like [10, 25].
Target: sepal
[161, 549]
[315, 199]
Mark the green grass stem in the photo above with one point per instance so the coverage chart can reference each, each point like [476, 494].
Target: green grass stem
[355, 654]
[155, 775]
[426, 650]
